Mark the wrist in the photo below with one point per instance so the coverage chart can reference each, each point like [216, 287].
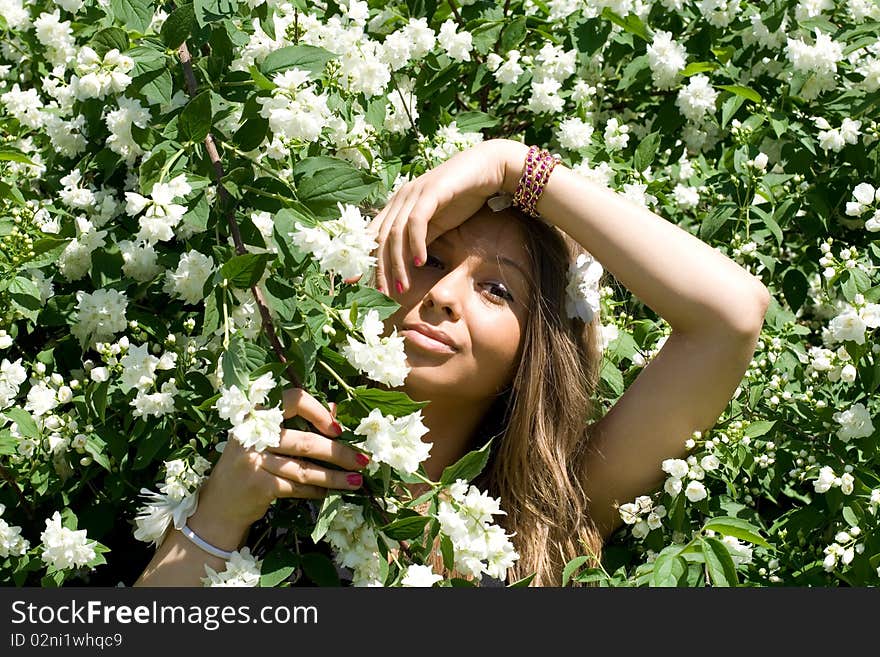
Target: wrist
[513, 154]
[218, 529]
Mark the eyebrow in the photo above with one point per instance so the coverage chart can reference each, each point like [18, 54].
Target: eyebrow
[444, 238]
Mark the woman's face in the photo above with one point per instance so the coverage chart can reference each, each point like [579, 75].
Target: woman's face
[469, 290]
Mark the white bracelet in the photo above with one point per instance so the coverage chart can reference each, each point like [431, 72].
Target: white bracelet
[202, 543]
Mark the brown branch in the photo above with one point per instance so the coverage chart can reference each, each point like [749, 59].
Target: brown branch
[226, 202]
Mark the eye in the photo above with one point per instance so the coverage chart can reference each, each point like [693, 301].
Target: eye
[504, 295]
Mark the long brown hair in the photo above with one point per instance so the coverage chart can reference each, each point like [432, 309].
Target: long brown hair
[539, 424]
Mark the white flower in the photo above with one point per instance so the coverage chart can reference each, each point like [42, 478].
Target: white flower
[382, 359]
[675, 467]
[855, 422]
[666, 58]
[187, 281]
[672, 486]
[65, 548]
[458, 45]
[420, 576]
[695, 491]
[100, 315]
[395, 441]
[252, 427]
[242, 569]
[582, 289]
[154, 517]
[826, 480]
[697, 99]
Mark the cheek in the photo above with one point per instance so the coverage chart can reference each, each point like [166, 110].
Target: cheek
[496, 343]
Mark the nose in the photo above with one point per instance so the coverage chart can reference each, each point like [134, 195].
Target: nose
[448, 292]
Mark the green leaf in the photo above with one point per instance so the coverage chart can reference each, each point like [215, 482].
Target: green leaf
[716, 219]
[322, 182]
[513, 34]
[208, 11]
[448, 552]
[668, 569]
[736, 527]
[467, 467]
[794, 288]
[108, 39]
[26, 425]
[320, 569]
[245, 270]
[722, 570]
[277, 566]
[698, 67]
[646, 151]
[95, 447]
[746, 92]
[759, 428]
[571, 567]
[12, 155]
[195, 120]
[389, 402]
[151, 445]
[155, 85]
[134, 14]
[178, 26]
[522, 583]
[304, 57]
[235, 372]
[404, 529]
[329, 509]
[632, 24]
[475, 121]
[730, 107]
[850, 516]
[591, 35]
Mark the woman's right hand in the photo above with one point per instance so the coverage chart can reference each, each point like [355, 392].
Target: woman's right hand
[245, 482]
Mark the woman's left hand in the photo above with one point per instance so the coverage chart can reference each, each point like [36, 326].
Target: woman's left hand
[440, 199]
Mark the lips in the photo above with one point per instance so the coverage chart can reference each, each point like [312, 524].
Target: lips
[434, 334]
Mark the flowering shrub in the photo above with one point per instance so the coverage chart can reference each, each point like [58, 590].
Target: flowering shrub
[180, 193]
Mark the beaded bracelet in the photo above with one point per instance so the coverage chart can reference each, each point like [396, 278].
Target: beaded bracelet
[538, 166]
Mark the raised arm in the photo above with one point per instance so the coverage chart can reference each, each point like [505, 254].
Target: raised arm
[716, 310]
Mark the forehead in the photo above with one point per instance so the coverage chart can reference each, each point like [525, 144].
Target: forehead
[490, 234]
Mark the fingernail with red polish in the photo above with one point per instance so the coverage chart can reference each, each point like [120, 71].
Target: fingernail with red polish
[417, 261]
[354, 479]
[337, 427]
[363, 459]
[399, 287]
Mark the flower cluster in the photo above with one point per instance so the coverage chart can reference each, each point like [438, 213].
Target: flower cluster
[340, 246]
[252, 427]
[479, 546]
[643, 515]
[242, 569]
[160, 213]
[381, 358]
[176, 500]
[12, 543]
[582, 289]
[827, 480]
[678, 469]
[63, 547]
[865, 198]
[355, 544]
[395, 441]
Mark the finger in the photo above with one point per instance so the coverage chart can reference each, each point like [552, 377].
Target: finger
[310, 474]
[314, 446]
[419, 219]
[382, 262]
[399, 248]
[296, 401]
[281, 487]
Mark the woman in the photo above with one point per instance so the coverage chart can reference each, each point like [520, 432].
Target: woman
[506, 360]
